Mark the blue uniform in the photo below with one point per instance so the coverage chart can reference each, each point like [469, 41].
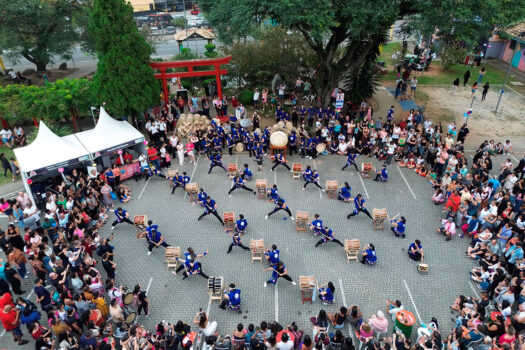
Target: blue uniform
[273, 256]
[247, 174]
[317, 226]
[234, 298]
[371, 257]
[350, 159]
[241, 225]
[152, 234]
[307, 174]
[328, 297]
[345, 193]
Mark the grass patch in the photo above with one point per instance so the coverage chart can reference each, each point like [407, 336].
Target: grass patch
[437, 76]
[388, 50]
[446, 117]
[421, 97]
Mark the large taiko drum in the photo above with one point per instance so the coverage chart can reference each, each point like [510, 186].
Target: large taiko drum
[320, 148]
[278, 139]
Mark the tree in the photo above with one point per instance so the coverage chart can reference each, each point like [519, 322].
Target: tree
[40, 29]
[465, 21]
[344, 33]
[275, 50]
[124, 79]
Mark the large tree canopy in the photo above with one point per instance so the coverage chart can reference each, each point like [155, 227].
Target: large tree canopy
[346, 34]
[40, 29]
[124, 78]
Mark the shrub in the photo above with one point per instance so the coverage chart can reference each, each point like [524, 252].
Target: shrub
[246, 97]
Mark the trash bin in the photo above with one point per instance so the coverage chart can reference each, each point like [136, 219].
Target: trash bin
[405, 322]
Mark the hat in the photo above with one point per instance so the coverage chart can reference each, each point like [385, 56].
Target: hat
[380, 314]
[450, 219]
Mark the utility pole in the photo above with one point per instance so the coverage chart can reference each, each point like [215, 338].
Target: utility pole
[502, 91]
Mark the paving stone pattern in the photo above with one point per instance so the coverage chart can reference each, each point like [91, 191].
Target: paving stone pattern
[393, 277]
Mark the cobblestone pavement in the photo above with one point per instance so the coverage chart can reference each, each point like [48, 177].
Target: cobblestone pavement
[393, 277]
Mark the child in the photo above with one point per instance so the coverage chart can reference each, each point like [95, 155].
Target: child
[422, 171]
[507, 147]
[411, 164]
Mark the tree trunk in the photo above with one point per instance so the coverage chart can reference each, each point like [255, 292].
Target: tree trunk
[74, 116]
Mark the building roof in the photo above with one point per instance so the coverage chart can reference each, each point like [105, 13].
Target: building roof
[517, 30]
[192, 32]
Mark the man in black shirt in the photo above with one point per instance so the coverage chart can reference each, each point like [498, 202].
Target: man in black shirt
[109, 266]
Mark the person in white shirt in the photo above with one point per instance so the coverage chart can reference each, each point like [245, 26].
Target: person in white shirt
[510, 181]
[7, 137]
[256, 95]
[393, 308]
[285, 343]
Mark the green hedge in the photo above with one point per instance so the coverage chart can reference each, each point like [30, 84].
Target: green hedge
[246, 97]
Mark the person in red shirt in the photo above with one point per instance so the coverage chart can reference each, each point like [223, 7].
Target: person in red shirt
[6, 299]
[10, 318]
[154, 157]
[234, 102]
[452, 204]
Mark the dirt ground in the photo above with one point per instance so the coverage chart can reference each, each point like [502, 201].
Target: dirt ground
[483, 122]
[36, 79]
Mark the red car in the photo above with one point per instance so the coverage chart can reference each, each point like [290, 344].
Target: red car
[195, 11]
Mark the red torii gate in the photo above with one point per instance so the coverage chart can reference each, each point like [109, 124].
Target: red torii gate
[190, 64]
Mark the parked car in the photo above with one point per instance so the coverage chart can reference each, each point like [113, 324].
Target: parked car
[154, 31]
[195, 11]
[169, 30]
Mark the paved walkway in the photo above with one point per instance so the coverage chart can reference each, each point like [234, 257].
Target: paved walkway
[503, 66]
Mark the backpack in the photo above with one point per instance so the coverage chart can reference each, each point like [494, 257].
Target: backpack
[256, 344]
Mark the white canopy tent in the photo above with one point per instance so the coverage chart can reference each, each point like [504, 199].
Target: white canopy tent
[109, 135]
[48, 152]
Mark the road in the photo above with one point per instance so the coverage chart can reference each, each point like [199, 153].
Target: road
[167, 48]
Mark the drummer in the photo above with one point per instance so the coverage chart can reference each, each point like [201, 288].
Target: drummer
[241, 225]
[278, 270]
[278, 159]
[292, 142]
[280, 204]
[154, 237]
[201, 196]
[189, 255]
[180, 181]
[236, 242]
[210, 207]
[316, 226]
[272, 255]
[193, 268]
[272, 193]
[307, 173]
[122, 216]
[351, 159]
[326, 293]
[359, 203]
[258, 153]
[231, 298]
[415, 251]
[328, 236]
[314, 179]
[382, 175]
[399, 226]
[238, 182]
[345, 193]
[216, 160]
[246, 173]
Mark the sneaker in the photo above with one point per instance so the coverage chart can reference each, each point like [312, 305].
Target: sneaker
[266, 217]
[293, 282]
[304, 188]
[291, 170]
[448, 239]
[174, 272]
[149, 253]
[291, 218]
[230, 195]
[26, 276]
[265, 284]
[113, 227]
[323, 190]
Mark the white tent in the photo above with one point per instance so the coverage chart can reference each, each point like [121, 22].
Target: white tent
[109, 135]
[49, 151]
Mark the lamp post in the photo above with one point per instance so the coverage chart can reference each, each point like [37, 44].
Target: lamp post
[502, 91]
[93, 114]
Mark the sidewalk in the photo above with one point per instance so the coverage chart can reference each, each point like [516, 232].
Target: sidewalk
[503, 66]
[84, 68]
